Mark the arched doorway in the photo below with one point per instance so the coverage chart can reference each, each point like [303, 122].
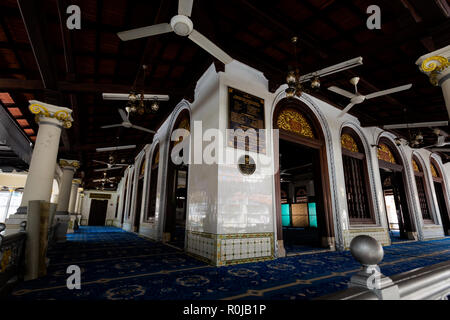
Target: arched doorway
[302, 187]
[356, 175]
[393, 182]
[139, 192]
[153, 184]
[442, 199]
[421, 186]
[176, 200]
[124, 201]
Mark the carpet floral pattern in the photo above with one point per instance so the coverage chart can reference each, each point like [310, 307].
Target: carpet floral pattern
[117, 265]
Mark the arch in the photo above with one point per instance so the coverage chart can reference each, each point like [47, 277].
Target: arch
[300, 128]
[125, 197]
[360, 206]
[402, 222]
[130, 192]
[174, 222]
[423, 189]
[441, 191]
[152, 183]
[138, 190]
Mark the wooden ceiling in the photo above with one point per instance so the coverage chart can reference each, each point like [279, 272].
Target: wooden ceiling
[41, 59]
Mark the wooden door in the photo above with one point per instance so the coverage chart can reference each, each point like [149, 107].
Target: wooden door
[97, 213]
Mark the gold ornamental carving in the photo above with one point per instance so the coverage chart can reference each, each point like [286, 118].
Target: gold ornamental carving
[291, 120]
[415, 166]
[385, 154]
[434, 66]
[347, 142]
[69, 163]
[434, 171]
[41, 111]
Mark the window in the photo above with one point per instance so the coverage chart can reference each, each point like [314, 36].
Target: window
[9, 203]
[356, 178]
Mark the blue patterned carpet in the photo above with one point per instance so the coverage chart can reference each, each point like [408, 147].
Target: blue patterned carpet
[119, 265]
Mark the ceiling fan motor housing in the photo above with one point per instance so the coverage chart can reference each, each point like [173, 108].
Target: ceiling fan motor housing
[182, 25]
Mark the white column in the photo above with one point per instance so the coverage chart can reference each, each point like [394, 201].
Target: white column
[68, 167]
[8, 202]
[437, 66]
[39, 182]
[73, 195]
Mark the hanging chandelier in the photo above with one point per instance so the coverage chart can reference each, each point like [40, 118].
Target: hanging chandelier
[137, 102]
[293, 79]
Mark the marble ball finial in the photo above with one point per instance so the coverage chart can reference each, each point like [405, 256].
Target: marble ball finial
[366, 250]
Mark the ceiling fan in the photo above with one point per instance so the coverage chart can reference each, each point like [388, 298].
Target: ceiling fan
[126, 123]
[357, 98]
[182, 25]
[441, 137]
[105, 180]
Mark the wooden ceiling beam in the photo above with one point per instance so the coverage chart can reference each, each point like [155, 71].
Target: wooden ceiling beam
[35, 24]
[79, 87]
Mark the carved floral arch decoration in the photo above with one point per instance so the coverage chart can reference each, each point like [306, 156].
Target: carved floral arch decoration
[385, 154]
[292, 120]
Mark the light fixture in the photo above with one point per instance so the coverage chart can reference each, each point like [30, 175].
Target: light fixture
[155, 105]
[294, 80]
[315, 83]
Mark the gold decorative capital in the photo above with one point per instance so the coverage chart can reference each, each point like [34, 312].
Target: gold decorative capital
[41, 109]
[75, 164]
[434, 66]
[76, 181]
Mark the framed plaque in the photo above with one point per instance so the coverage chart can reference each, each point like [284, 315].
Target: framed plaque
[246, 112]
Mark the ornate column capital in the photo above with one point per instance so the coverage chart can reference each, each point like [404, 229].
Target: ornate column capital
[76, 181]
[69, 164]
[45, 110]
[436, 65]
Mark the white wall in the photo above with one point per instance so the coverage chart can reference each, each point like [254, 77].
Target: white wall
[86, 206]
[223, 201]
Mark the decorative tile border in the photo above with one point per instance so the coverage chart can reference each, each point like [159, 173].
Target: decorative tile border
[227, 249]
[379, 234]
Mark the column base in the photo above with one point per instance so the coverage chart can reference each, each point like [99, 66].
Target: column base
[61, 221]
[412, 235]
[281, 252]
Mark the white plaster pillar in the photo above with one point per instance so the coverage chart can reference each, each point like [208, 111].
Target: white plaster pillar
[62, 218]
[68, 167]
[41, 172]
[437, 66]
[4, 214]
[73, 195]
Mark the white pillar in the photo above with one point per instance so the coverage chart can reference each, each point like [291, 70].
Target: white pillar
[73, 195]
[68, 167]
[62, 217]
[437, 66]
[4, 215]
[41, 172]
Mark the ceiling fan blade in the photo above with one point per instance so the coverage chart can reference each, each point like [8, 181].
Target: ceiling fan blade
[145, 32]
[122, 165]
[142, 128]
[107, 169]
[123, 115]
[102, 162]
[111, 126]
[388, 91]
[185, 7]
[209, 46]
[342, 92]
[347, 108]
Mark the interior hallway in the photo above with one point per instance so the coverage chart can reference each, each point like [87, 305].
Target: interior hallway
[120, 265]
